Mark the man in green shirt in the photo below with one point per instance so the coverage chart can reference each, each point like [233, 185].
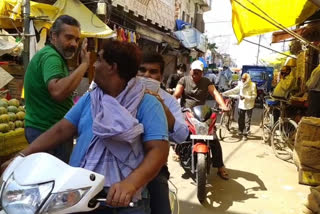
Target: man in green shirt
[48, 84]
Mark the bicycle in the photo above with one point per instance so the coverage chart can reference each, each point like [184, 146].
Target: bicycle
[269, 118]
[227, 118]
[283, 134]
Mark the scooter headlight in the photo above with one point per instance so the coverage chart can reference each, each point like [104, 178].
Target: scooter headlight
[26, 199]
[63, 200]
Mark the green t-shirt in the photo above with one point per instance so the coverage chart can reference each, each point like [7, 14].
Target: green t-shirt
[42, 111]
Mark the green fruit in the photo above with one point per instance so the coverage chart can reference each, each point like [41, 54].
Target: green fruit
[14, 102]
[21, 108]
[20, 115]
[3, 110]
[19, 124]
[13, 109]
[3, 104]
[12, 116]
[4, 127]
[4, 118]
[12, 125]
[17, 129]
[4, 100]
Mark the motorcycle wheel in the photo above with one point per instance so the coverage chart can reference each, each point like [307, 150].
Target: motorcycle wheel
[201, 177]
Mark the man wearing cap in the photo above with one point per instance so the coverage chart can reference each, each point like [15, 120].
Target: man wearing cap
[193, 91]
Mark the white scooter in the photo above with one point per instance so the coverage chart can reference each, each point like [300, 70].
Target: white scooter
[41, 183]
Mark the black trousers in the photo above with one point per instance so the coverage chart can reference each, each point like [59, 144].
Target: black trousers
[159, 192]
[244, 121]
[216, 152]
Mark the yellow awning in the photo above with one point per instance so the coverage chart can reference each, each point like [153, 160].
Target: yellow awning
[286, 12]
[91, 25]
[10, 13]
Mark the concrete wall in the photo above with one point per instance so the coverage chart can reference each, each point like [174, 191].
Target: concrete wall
[159, 12]
[185, 10]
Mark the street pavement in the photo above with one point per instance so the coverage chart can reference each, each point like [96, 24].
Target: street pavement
[259, 182]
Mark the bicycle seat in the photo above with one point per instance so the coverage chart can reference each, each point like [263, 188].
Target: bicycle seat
[272, 102]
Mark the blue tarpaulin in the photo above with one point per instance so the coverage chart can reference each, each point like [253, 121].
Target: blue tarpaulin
[191, 38]
[181, 24]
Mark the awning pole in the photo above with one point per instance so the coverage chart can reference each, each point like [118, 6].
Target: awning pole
[26, 44]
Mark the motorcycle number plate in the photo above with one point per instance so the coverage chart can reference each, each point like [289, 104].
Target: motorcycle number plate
[201, 137]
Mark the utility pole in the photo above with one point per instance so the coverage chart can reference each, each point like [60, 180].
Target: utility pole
[26, 32]
[258, 50]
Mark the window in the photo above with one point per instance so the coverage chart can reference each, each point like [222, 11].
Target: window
[188, 17]
[191, 21]
[183, 15]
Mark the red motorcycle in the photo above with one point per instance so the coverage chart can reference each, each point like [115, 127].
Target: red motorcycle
[195, 153]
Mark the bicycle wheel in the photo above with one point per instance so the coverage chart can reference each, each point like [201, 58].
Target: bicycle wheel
[267, 122]
[222, 132]
[282, 138]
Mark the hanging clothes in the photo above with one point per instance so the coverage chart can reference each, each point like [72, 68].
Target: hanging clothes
[134, 37]
[129, 37]
[119, 34]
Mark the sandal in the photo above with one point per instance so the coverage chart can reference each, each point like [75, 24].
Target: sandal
[223, 174]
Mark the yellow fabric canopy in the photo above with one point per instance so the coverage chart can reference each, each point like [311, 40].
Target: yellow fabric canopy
[91, 25]
[286, 12]
[10, 13]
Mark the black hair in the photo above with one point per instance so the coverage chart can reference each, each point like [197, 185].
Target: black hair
[182, 67]
[60, 21]
[154, 57]
[127, 56]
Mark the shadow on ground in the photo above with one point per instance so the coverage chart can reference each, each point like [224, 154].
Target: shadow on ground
[190, 208]
[222, 194]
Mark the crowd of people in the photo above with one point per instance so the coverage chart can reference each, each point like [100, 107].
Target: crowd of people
[118, 110]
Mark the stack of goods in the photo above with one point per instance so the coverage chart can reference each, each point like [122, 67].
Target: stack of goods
[307, 151]
[12, 137]
[312, 206]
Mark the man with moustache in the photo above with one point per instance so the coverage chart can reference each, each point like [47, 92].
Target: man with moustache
[48, 85]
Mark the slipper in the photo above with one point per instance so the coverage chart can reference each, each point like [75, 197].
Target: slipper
[223, 174]
[176, 158]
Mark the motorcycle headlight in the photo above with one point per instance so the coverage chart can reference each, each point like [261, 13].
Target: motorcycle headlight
[27, 199]
[63, 200]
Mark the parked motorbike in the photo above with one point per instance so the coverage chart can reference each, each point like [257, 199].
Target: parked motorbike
[41, 183]
[195, 154]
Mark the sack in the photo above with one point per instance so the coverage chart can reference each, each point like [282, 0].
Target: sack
[285, 86]
[307, 150]
[12, 142]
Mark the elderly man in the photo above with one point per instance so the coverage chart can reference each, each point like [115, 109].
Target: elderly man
[48, 85]
[246, 91]
[194, 90]
[122, 132]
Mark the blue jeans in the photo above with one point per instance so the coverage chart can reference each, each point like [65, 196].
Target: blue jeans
[63, 151]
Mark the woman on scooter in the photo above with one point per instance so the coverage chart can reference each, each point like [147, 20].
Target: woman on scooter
[122, 132]
[193, 91]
